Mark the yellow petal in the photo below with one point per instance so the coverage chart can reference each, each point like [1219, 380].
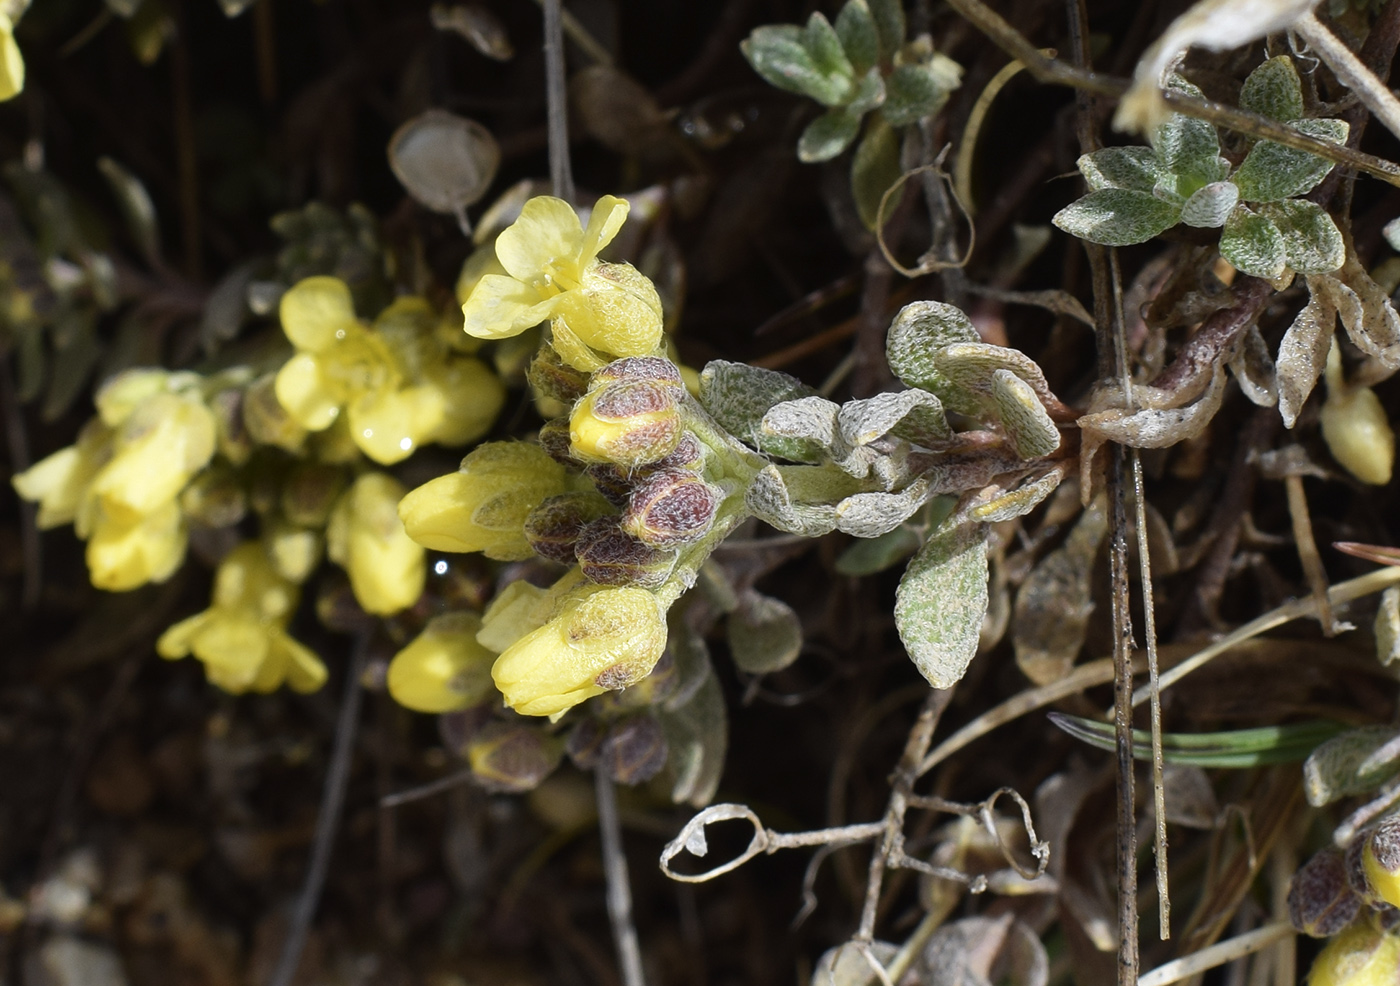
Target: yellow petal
[571, 348]
[518, 609]
[11, 62]
[158, 449]
[444, 668]
[385, 566]
[547, 232]
[305, 394]
[607, 217]
[120, 396]
[500, 307]
[122, 556]
[389, 424]
[57, 483]
[178, 641]
[471, 395]
[481, 262]
[305, 670]
[316, 311]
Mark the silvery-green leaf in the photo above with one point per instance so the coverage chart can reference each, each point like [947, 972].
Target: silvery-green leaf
[1311, 240]
[226, 309]
[1211, 205]
[844, 965]
[917, 332]
[915, 91]
[1253, 244]
[828, 135]
[1051, 617]
[1032, 432]
[1253, 367]
[870, 555]
[1302, 354]
[869, 515]
[1135, 168]
[764, 634]
[1117, 217]
[1335, 768]
[811, 419]
[1274, 90]
[738, 396]
[477, 25]
[889, 24]
[874, 169]
[821, 41]
[941, 601]
[779, 53]
[860, 39]
[1387, 625]
[970, 369]
[73, 338]
[1189, 149]
[445, 161]
[1015, 503]
[697, 736]
[1365, 310]
[1154, 427]
[769, 499]
[869, 92]
[862, 422]
[1272, 171]
[137, 208]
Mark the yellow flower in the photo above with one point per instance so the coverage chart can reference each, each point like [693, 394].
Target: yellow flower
[242, 637]
[367, 539]
[601, 639]
[60, 482]
[444, 668]
[157, 449]
[520, 608]
[127, 552]
[552, 272]
[483, 506]
[11, 62]
[1359, 956]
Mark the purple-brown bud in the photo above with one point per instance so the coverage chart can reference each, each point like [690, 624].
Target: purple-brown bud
[554, 439]
[553, 527]
[551, 377]
[1321, 901]
[608, 555]
[634, 749]
[651, 369]
[512, 756]
[671, 507]
[310, 492]
[688, 454]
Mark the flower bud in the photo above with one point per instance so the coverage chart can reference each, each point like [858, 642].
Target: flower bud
[608, 555]
[214, 498]
[1361, 955]
[613, 482]
[603, 638]
[554, 439]
[689, 453]
[444, 668]
[553, 527]
[367, 539]
[1380, 856]
[235, 444]
[512, 756]
[629, 423]
[310, 492]
[483, 506]
[634, 749]
[267, 421]
[671, 507]
[552, 378]
[1320, 900]
[1355, 427]
[650, 369]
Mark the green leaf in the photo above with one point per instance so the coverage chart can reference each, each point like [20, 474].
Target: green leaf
[913, 92]
[874, 169]
[137, 208]
[807, 508]
[1117, 217]
[1271, 171]
[916, 334]
[1189, 149]
[1344, 765]
[738, 396]
[779, 53]
[941, 602]
[865, 421]
[827, 136]
[1253, 244]
[860, 38]
[697, 731]
[1032, 432]
[1274, 90]
[1211, 205]
[1050, 620]
[1238, 748]
[821, 41]
[870, 515]
[1133, 168]
[889, 24]
[971, 367]
[764, 634]
[1311, 240]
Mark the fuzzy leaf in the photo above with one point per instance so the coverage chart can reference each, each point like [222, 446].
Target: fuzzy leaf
[781, 54]
[1051, 617]
[1311, 240]
[1253, 244]
[941, 602]
[869, 515]
[862, 422]
[870, 555]
[913, 92]
[1134, 168]
[1211, 205]
[860, 39]
[1335, 768]
[738, 396]
[970, 368]
[874, 169]
[1189, 149]
[827, 136]
[889, 24]
[809, 419]
[916, 334]
[1271, 171]
[811, 514]
[1365, 310]
[1117, 217]
[697, 736]
[1015, 503]
[1274, 90]
[764, 634]
[1386, 627]
[1302, 354]
[1032, 432]
[1253, 367]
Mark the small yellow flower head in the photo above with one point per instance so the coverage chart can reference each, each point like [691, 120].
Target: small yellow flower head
[601, 639]
[156, 451]
[60, 482]
[1381, 859]
[124, 553]
[11, 62]
[1355, 427]
[242, 638]
[483, 506]
[551, 271]
[1360, 956]
[444, 668]
[367, 539]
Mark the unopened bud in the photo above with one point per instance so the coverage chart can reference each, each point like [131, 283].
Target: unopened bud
[1320, 900]
[444, 668]
[551, 377]
[608, 555]
[310, 492]
[1361, 955]
[671, 507]
[554, 439]
[268, 423]
[629, 423]
[651, 369]
[1380, 857]
[553, 527]
[295, 551]
[234, 441]
[634, 749]
[214, 498]
[613, 482]
[688, 454]
[512, 757]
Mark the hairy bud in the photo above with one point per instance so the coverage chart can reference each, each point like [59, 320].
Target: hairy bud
[551, 377]
[512, 756]
[1321, 902]
[1380, 856]
[608, 555]
[630, 423]
[671, 507]
[553, 527]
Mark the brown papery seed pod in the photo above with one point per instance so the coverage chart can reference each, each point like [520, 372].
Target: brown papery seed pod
[608, 555]
[1321, 901]
[671, 507]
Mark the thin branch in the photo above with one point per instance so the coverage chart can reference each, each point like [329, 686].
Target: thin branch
[1307, 552]
[426, 790]
[561, 173]
[328, 820]
[1216, 955]
[1351, 71]
[629, 951]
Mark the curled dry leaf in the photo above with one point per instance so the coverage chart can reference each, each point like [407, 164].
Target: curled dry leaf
[481, 28]
[1053, 605]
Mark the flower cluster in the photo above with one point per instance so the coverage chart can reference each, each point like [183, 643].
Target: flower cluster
[11, 61]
